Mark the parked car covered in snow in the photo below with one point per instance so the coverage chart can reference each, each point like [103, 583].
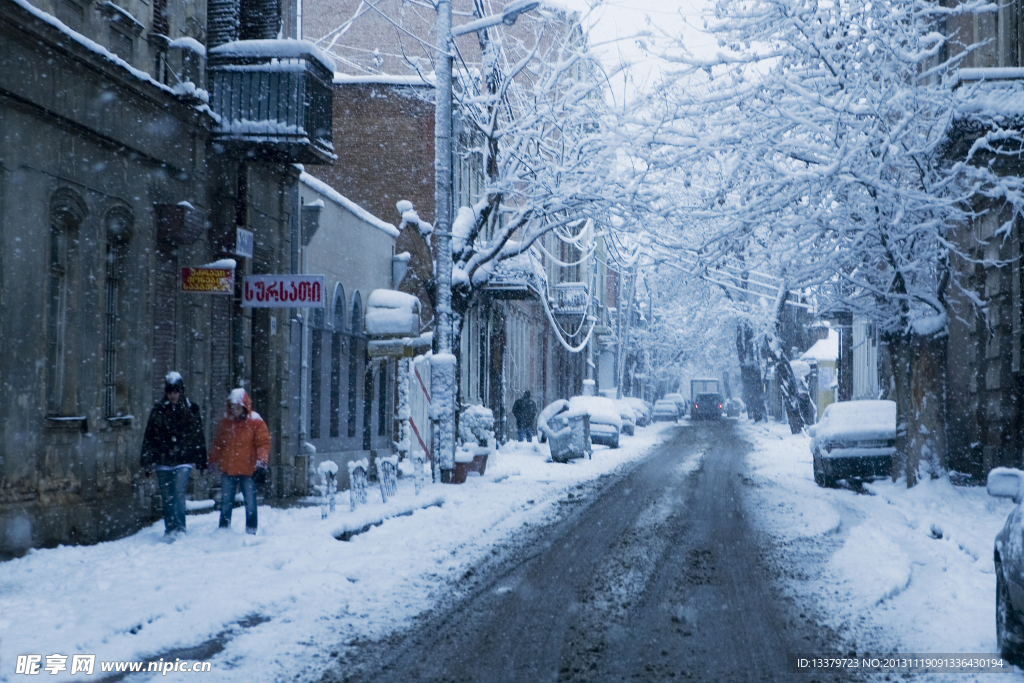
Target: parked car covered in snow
[680, 402]
[853, 439]
[665, 409]
[641, 408]
[628, 417]
[1005, 482]
[605, 423]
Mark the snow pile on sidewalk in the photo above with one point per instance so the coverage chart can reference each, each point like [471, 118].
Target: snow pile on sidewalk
[891, 569]
[283, 600]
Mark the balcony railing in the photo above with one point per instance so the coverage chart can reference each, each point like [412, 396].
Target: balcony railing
[516, 278]
[273, 99]
[570, 298]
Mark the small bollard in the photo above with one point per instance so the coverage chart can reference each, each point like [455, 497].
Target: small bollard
[387, 473]
[419, 462]
[357, 482]
[328, 471]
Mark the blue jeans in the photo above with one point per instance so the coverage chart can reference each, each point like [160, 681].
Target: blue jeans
[228, 485]
[173, 491]
[526, 433]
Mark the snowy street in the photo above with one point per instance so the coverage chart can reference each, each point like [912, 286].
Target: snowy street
[283, 605]
[654, 577]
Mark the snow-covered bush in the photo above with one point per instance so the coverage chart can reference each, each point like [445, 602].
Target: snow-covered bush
[476, 426]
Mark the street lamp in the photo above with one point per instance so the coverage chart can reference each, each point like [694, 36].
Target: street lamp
[508, 16]
[442, 371]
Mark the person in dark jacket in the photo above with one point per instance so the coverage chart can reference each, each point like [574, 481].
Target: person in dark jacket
[525, 412]
[174, 443]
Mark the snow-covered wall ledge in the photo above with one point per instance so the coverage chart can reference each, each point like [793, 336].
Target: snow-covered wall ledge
[282, 48]
[384, 79]
[336, 197]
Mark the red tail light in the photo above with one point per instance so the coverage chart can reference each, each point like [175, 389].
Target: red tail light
[719, 406]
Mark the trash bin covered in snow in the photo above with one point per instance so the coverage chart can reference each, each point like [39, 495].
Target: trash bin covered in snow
[567, 433]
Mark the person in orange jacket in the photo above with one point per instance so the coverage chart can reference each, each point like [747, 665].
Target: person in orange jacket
[241, 449]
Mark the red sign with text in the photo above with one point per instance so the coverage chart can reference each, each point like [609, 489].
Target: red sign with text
[283, 291]
[207, 280]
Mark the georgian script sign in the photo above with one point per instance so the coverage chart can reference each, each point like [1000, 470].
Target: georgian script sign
[208, 280]
[283, 291]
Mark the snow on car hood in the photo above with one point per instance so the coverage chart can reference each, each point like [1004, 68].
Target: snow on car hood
[858, 421]
[600, 409]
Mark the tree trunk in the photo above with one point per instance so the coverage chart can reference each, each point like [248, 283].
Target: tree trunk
[787, 384]
[750, 373]
[918, 370]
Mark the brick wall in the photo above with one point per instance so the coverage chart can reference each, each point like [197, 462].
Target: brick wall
[384, 139]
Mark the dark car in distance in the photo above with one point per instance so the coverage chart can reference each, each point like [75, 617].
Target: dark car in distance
[707, 407]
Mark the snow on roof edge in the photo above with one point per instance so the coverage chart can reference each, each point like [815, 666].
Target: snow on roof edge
[289, 48]
[340, 199]
[382, 79]
[90, 44]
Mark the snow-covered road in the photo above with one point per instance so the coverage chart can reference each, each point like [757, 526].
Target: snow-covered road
[275, 606]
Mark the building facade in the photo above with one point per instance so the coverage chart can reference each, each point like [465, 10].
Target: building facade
[127, 152]
[349, 399]
[984, 377]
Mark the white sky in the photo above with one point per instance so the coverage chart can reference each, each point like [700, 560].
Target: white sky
[618, 23]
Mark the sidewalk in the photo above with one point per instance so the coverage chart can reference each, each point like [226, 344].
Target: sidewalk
[890, 569]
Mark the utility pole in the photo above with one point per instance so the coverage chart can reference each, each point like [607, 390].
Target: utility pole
[442, 366]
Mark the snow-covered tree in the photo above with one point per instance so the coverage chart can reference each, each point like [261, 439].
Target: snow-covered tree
[528, 111]
[812, 147]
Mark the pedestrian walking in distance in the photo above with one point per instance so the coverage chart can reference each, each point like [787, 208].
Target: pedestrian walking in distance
[174, 443]
[525, 412]
[241, 451]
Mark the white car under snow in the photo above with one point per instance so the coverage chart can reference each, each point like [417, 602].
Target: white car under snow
[853, 439]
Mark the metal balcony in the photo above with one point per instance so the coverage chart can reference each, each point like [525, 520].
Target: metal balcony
[570, 299]
[273, 99]
[518, 277]
[987, 97]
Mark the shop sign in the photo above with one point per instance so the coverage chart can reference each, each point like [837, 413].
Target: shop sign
[283, 291]
[208, 280]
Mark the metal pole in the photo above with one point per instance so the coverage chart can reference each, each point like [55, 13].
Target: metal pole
[443, 177]
[442, 375]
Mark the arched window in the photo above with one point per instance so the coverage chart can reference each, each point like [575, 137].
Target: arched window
[67, 212]
[316, 374]
[337, 349]
[118, 223]
[356, 323]
[338, 308]
[382, 400]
